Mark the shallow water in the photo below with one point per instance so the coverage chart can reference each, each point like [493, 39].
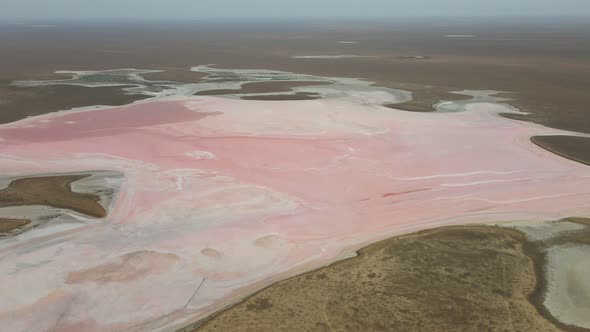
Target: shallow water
[130, 80]
[223, 196]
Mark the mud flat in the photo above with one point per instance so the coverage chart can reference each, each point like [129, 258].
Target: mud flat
[424, 98]
[53, 191]
[181, 75]
[276, 97]
[568, 287]
[29, 202]
[271, 90]
[548, 72]
[223, 197]
[573, 147]
[10, 226]
[250, 84]
[455, 101]
[560, 252]
[146, 240]
[18, 103]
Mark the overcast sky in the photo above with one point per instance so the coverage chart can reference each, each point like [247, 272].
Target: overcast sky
[170, 9]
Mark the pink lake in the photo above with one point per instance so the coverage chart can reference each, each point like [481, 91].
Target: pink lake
[222, 197]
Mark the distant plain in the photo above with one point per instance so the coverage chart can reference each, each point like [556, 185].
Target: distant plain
[542, 65]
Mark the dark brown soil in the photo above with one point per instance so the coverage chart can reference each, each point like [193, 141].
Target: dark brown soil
[297, 96]
[544, 62]
[424, 98]
[460, 278]
[571, 147]
[183, 75]
[17, 103]
[9, 225]
[261, 87]
[52, 191]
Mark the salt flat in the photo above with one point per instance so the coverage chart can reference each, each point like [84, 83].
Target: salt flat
[224, 196]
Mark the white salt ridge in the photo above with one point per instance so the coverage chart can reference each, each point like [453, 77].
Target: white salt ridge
[543, 230]
[131, 81]
[344, 56]
[477, 96]
[200, 155]
[460, 36]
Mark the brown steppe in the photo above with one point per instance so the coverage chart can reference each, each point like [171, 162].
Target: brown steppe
[458, 278]
[8, 225]
[467, 278]
[572, 147]
[544, 64]
[52, 191]
[261, 87]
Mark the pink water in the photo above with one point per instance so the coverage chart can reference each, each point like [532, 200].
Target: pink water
[231, 195]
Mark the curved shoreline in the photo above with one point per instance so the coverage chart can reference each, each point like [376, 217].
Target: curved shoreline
[285, 187]
[566, 152]
[230, 313]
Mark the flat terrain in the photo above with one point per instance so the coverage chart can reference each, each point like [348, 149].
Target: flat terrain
[575, 148]
[265, 87]
[261, 87]
[424, 98]
[9, 225]
[17, 103]
[460, 278]
[467, 278]
[472, 278]
[52, 191]
[543, 64]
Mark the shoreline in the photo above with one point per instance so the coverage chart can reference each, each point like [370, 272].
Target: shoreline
[291, 224]
[533, 251]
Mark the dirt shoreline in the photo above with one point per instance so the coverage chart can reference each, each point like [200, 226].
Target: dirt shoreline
[54, 191]
[571, 147]
[259, 311]
[544, 65]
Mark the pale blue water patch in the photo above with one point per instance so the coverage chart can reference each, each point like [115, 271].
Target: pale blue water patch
[477, 96]
[46, 220]
[355, 89]
[358, 90]
[568, 287]
[131, 81]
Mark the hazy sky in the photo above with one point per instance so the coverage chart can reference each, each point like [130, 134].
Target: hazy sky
[49, 9]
